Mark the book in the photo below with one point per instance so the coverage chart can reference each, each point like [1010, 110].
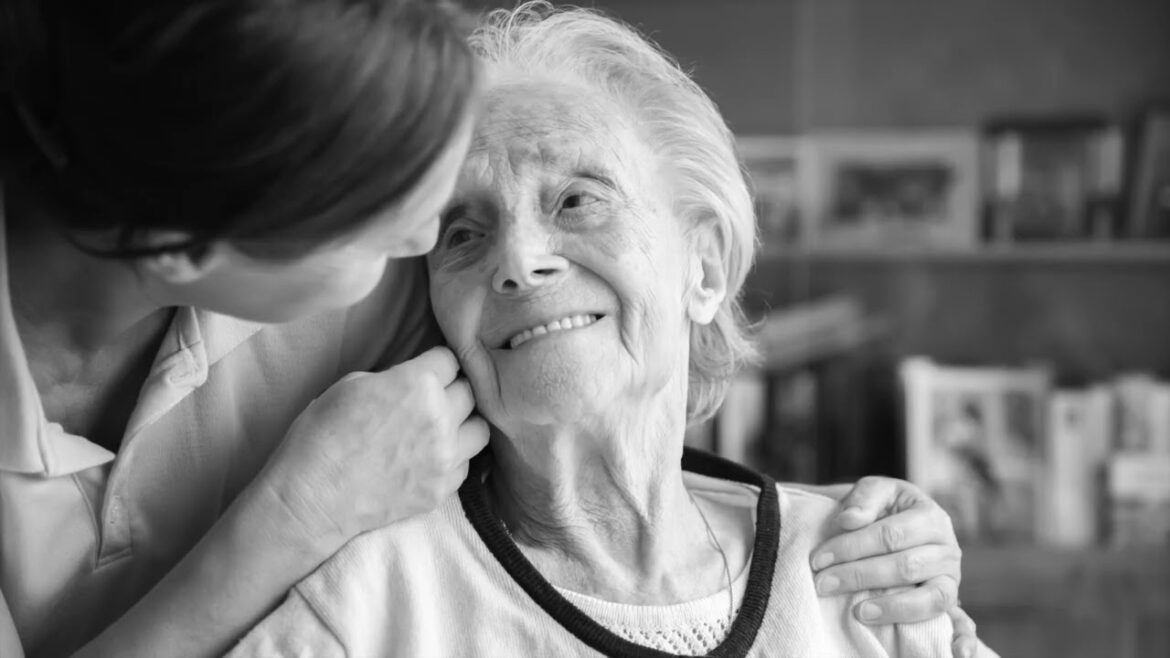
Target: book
[1139, 499]
[1078, 445]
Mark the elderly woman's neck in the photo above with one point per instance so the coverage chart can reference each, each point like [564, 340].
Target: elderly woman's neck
[607, 515]
[567, 484]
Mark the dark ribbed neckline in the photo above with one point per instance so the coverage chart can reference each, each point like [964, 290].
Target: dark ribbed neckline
[474, 498]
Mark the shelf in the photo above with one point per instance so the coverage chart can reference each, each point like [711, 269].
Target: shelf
[1057, 252]
[1080, 583]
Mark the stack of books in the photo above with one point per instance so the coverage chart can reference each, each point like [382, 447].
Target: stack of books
[1108, 465]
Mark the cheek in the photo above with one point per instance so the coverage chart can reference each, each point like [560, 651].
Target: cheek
[351, 278]
[456, 309]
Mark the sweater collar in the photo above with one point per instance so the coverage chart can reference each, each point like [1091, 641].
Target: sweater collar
[739, 640]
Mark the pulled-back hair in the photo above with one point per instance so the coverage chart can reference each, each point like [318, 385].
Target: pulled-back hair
[677, 121]
[277, 125]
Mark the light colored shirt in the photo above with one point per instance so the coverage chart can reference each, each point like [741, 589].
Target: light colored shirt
[452, 583]
[85, 533]
[690, 628]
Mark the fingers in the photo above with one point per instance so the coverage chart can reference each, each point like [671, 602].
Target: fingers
[909, 567]
[965, 643]
[866, 502]
[472, 438]
[460, 399]
[924, 523]
[934, 597]
[439, 361]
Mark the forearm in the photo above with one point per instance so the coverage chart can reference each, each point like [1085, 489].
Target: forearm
[238, 572]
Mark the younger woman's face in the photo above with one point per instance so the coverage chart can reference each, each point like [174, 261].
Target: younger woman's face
[334, 276]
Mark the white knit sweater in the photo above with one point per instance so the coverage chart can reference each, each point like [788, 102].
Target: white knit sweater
[451, 583]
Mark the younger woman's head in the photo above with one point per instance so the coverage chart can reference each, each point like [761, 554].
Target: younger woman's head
[260, 157]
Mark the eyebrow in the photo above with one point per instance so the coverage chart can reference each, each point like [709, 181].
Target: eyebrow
[446, 215]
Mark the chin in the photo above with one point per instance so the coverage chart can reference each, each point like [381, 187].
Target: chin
[554, 395]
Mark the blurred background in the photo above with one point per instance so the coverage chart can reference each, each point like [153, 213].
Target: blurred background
[963, 279]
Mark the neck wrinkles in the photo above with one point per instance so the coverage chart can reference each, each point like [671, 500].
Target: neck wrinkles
[606, 513]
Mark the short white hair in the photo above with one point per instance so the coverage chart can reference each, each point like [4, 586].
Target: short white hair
[679, 123]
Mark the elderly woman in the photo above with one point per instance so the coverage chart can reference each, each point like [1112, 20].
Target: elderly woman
[586, 276]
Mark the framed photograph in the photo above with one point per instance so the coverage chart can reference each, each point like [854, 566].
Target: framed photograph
[975, 442]
[1052, 178]
[1149, 205]
[905, 189]
[773, 168]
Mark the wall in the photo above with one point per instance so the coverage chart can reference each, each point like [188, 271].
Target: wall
[793, 65]
[953, 62]
[739, 50]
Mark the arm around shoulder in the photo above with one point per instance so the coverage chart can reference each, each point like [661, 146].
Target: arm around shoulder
[236, 574]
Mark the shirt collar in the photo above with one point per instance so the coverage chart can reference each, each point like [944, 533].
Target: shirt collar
[195, 341]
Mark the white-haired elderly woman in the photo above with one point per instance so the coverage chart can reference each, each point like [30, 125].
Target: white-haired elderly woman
[586, 276]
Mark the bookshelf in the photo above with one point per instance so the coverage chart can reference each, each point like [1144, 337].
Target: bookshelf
[1054, 252]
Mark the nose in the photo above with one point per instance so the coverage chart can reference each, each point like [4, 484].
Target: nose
[526, 261]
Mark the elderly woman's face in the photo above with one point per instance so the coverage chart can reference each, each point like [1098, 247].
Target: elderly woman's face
[560, 277]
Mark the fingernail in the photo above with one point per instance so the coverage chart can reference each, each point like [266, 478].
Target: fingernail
[821, 561]
[828, 584]
[869, 611]
[853, 511]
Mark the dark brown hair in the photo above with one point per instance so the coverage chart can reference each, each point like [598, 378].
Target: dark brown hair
[275, 124]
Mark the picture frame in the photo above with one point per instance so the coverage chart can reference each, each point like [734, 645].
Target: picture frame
[1052, 178]
[772, 164]
[1149, 199]
[975, 440]
[905, 189]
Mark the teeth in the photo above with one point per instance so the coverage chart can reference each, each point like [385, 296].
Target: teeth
[571, 322]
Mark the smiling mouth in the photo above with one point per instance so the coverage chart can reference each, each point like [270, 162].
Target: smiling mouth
[563, 324]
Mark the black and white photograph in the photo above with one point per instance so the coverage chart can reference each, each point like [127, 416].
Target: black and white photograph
[581, 329]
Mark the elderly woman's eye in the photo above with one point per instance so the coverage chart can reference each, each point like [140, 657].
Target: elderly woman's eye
[457, 236]
[575, 200]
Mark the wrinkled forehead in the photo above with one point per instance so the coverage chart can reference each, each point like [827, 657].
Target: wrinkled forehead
[542, 125]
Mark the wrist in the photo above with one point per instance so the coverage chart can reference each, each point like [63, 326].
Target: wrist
[268, 514]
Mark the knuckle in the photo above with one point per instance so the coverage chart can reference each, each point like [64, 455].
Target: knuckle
[943, 596]
[912, 489]
[892, 537]
[854, 579]
[428, 383]
[448, 455]
[910, 567]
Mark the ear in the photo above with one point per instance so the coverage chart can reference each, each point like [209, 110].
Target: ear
[180, 267]
[708, 276]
